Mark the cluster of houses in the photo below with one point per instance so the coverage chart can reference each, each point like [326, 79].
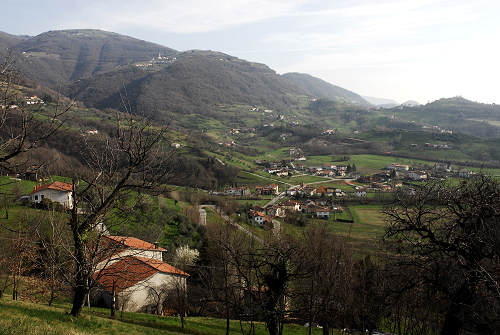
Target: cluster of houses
[439, 170]
[272, 189]
[160, 60]
[436, 146]
[320, 209]
[280, 168]
[285, 167]
[438, 129]
[326, 170]
[33, 100]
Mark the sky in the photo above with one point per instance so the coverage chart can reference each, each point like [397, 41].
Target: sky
[419, 50]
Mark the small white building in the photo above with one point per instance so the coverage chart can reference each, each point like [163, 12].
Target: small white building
[322, 213]
[417, 175]
[360, 193]
[238, 191]
[57, 192]
[465, 174]
[398, 167]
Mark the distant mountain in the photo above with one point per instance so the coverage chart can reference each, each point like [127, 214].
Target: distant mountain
[8, 40]
[99, 68]
[381, 102]
[321, 89]
[195, 82]
[457, 114]
[410, 103]
[58, 57]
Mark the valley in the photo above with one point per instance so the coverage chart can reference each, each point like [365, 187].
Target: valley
[249, 183]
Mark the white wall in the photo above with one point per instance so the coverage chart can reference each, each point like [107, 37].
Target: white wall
[64, 198]
[138, 296]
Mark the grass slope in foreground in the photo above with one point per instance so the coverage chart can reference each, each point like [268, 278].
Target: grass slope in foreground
[18, 317]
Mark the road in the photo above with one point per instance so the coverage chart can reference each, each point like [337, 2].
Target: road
[275, 180]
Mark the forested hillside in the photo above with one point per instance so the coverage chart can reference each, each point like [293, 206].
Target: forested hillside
[321, 89]
[55, 58]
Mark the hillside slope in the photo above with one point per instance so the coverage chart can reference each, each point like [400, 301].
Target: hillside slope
[195, 82]
[8, 40]
[57, 57]
[458, 114]
[321, 89]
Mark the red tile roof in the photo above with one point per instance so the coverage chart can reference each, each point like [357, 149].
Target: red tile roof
[131, 270]
[57, 185]
[162, 266]
[124, 273]
[133, 242]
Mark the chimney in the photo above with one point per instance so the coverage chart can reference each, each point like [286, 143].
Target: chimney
[156, 245]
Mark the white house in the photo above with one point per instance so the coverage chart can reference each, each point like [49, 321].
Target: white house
[360, 193]
[465, 174]
[134, 271]
[57, 191]
[398, 167]
[139, 284]
[238, 191]
[417, 175]
[322, 213]
[175, 145]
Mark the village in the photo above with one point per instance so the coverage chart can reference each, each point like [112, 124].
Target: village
[339, 184]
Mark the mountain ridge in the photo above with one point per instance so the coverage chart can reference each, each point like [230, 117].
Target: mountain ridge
[322, 89]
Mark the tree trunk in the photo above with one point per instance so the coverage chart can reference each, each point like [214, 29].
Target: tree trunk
[113, 301]
[14, 289]
[79, 298]
[453, 322]
[81, 276]
[272, 325]
[52, 296]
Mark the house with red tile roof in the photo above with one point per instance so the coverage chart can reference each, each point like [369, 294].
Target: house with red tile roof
[57, 192]
[260, 217]
[116, 248]
[135, 274]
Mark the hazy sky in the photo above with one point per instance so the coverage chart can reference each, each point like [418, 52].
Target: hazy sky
[416, 49]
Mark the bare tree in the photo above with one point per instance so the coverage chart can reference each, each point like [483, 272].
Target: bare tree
[176, 297]
[322, 294]
[135, 157]
[20, 129]
[52, 239]
[449, 237]
[18, 257]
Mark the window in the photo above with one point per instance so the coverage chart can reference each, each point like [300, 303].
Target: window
[42, 196]
[36, 197]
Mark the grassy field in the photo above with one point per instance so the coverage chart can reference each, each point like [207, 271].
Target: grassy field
[364, 234]
[367, 229]
[10, 185]
[24, 318]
